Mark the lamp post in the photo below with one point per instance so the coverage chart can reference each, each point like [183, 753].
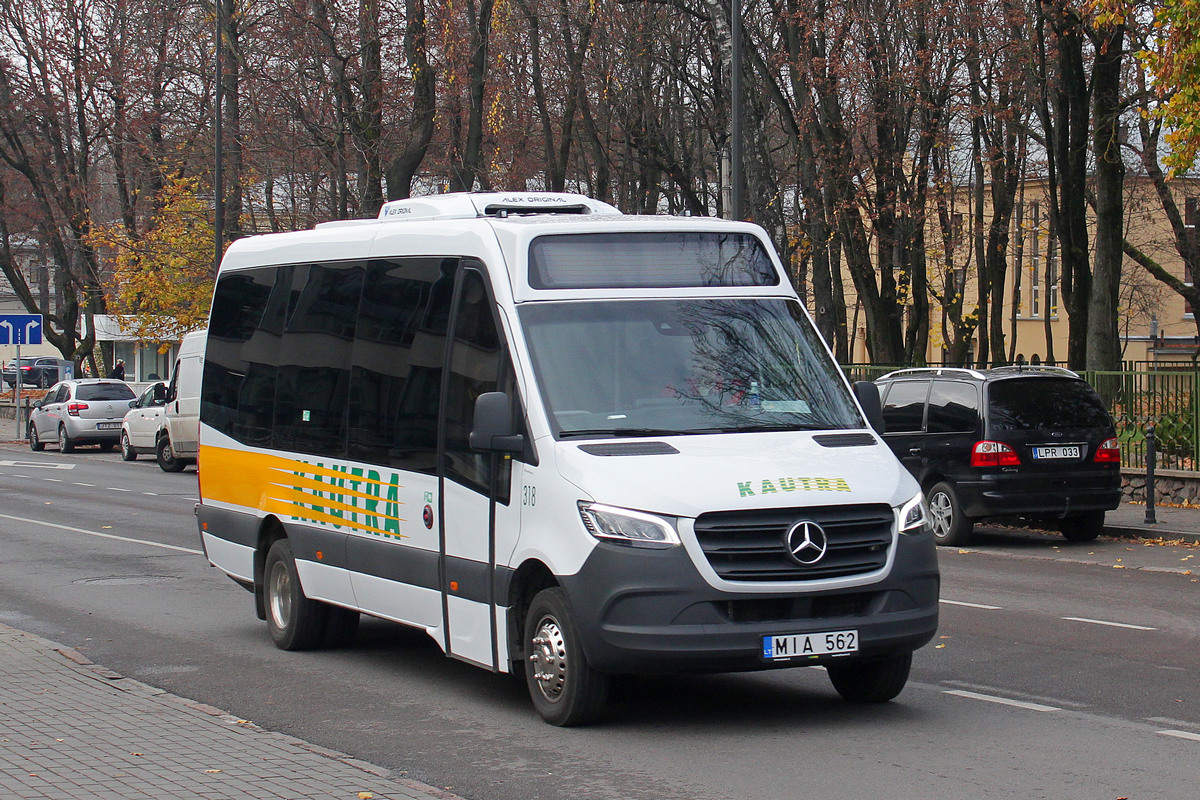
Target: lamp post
[735, 112]
[218, 165]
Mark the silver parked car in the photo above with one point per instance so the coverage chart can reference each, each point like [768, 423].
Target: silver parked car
[139, 430]
[77, 412]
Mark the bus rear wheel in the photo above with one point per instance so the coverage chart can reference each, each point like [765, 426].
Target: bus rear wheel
[565, 689]
[294, 621]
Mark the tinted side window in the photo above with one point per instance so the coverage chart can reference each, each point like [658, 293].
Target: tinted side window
[477, 367]
[314, 359]
[239, 366]
[396, 373]
[953, 407]
[904, 406]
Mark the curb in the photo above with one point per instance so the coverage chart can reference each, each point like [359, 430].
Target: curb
[1151, 532]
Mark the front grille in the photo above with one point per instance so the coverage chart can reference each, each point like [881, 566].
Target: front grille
[752, 545]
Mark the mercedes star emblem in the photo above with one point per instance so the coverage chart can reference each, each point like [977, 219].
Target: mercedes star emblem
[806, 543]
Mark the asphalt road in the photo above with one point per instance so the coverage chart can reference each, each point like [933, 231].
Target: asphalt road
[1060, 671]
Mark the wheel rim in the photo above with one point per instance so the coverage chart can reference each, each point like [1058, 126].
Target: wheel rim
[62, 438]
[168, 456]
[32, 435]
[942, 513]
[549, 659]
[279, 588]
[125, 443]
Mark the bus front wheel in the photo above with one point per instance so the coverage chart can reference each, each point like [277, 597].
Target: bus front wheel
[565, 689]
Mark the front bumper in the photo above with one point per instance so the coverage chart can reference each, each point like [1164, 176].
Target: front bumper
[650, 611]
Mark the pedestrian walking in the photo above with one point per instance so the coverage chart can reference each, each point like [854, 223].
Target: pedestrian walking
[118, 371]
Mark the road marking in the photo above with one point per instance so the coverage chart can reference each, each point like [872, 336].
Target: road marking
[53, 480]
[35, 465]
[1004, 701]
[86, 484]
[69, 529]
[118, 489]
[1110, 624]
[970, 605]
[150, 494]
[1195, 737]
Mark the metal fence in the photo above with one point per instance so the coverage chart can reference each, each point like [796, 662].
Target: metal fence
[1168, 399]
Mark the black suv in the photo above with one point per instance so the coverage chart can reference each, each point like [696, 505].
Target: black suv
[1034, 442]
[40, 371]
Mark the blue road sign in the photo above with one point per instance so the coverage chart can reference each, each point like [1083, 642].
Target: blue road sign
[20, 328]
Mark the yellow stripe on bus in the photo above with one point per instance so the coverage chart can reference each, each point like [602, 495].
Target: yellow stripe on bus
[331, 494]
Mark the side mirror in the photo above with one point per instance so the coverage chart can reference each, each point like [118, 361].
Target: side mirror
[160, 395]
[868, 397]
[133, 403]
[492, 426]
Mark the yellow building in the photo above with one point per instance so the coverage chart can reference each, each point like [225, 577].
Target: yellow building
[1155, 323]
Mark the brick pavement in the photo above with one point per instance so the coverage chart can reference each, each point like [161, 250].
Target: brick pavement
[73, 729]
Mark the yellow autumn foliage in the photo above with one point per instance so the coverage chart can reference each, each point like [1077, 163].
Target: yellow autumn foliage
[162, 282]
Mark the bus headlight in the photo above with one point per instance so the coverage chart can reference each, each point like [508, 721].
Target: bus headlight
[914, 518]
[623, 526]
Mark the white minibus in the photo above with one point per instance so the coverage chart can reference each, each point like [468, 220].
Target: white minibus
[565, 442]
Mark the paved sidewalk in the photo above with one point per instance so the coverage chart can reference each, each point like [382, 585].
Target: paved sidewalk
[70, 730]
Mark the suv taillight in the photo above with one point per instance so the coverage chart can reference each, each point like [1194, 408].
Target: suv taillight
[993, 454]
[1109, 452]
[74, 408]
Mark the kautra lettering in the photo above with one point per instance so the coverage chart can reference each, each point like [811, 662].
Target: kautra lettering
[353, 498]
[776, 485]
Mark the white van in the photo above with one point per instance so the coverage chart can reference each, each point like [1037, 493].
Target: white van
[564, 442]
[178, 440]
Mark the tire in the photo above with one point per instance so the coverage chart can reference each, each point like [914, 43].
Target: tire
[1083, 528]
[565, 690]
[167, 460]
[870, 680]
[43, 381]
[35, 444]
[950, 526]
[341, 627]
[294, 621]
[127, 451]
[105, 446]
[65, 445]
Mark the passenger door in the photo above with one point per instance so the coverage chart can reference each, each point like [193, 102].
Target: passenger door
[479, 518]
[904, 420]
[952, 427]
[51, 412]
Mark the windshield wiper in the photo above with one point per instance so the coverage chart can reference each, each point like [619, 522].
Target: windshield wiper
[630, 432]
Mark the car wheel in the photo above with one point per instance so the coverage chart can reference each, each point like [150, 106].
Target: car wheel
[35, 444]
[870, 680]
[65, 445]
[950, 526]
[1083, 528]
[127, 451]
[167, 460]
[294, 621]
[565, 689]
[43, 381]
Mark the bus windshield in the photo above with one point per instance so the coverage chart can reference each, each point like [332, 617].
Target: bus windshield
[687, 366]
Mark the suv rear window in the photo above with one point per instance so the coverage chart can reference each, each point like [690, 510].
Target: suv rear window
[1031, 404]
[104, 391]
